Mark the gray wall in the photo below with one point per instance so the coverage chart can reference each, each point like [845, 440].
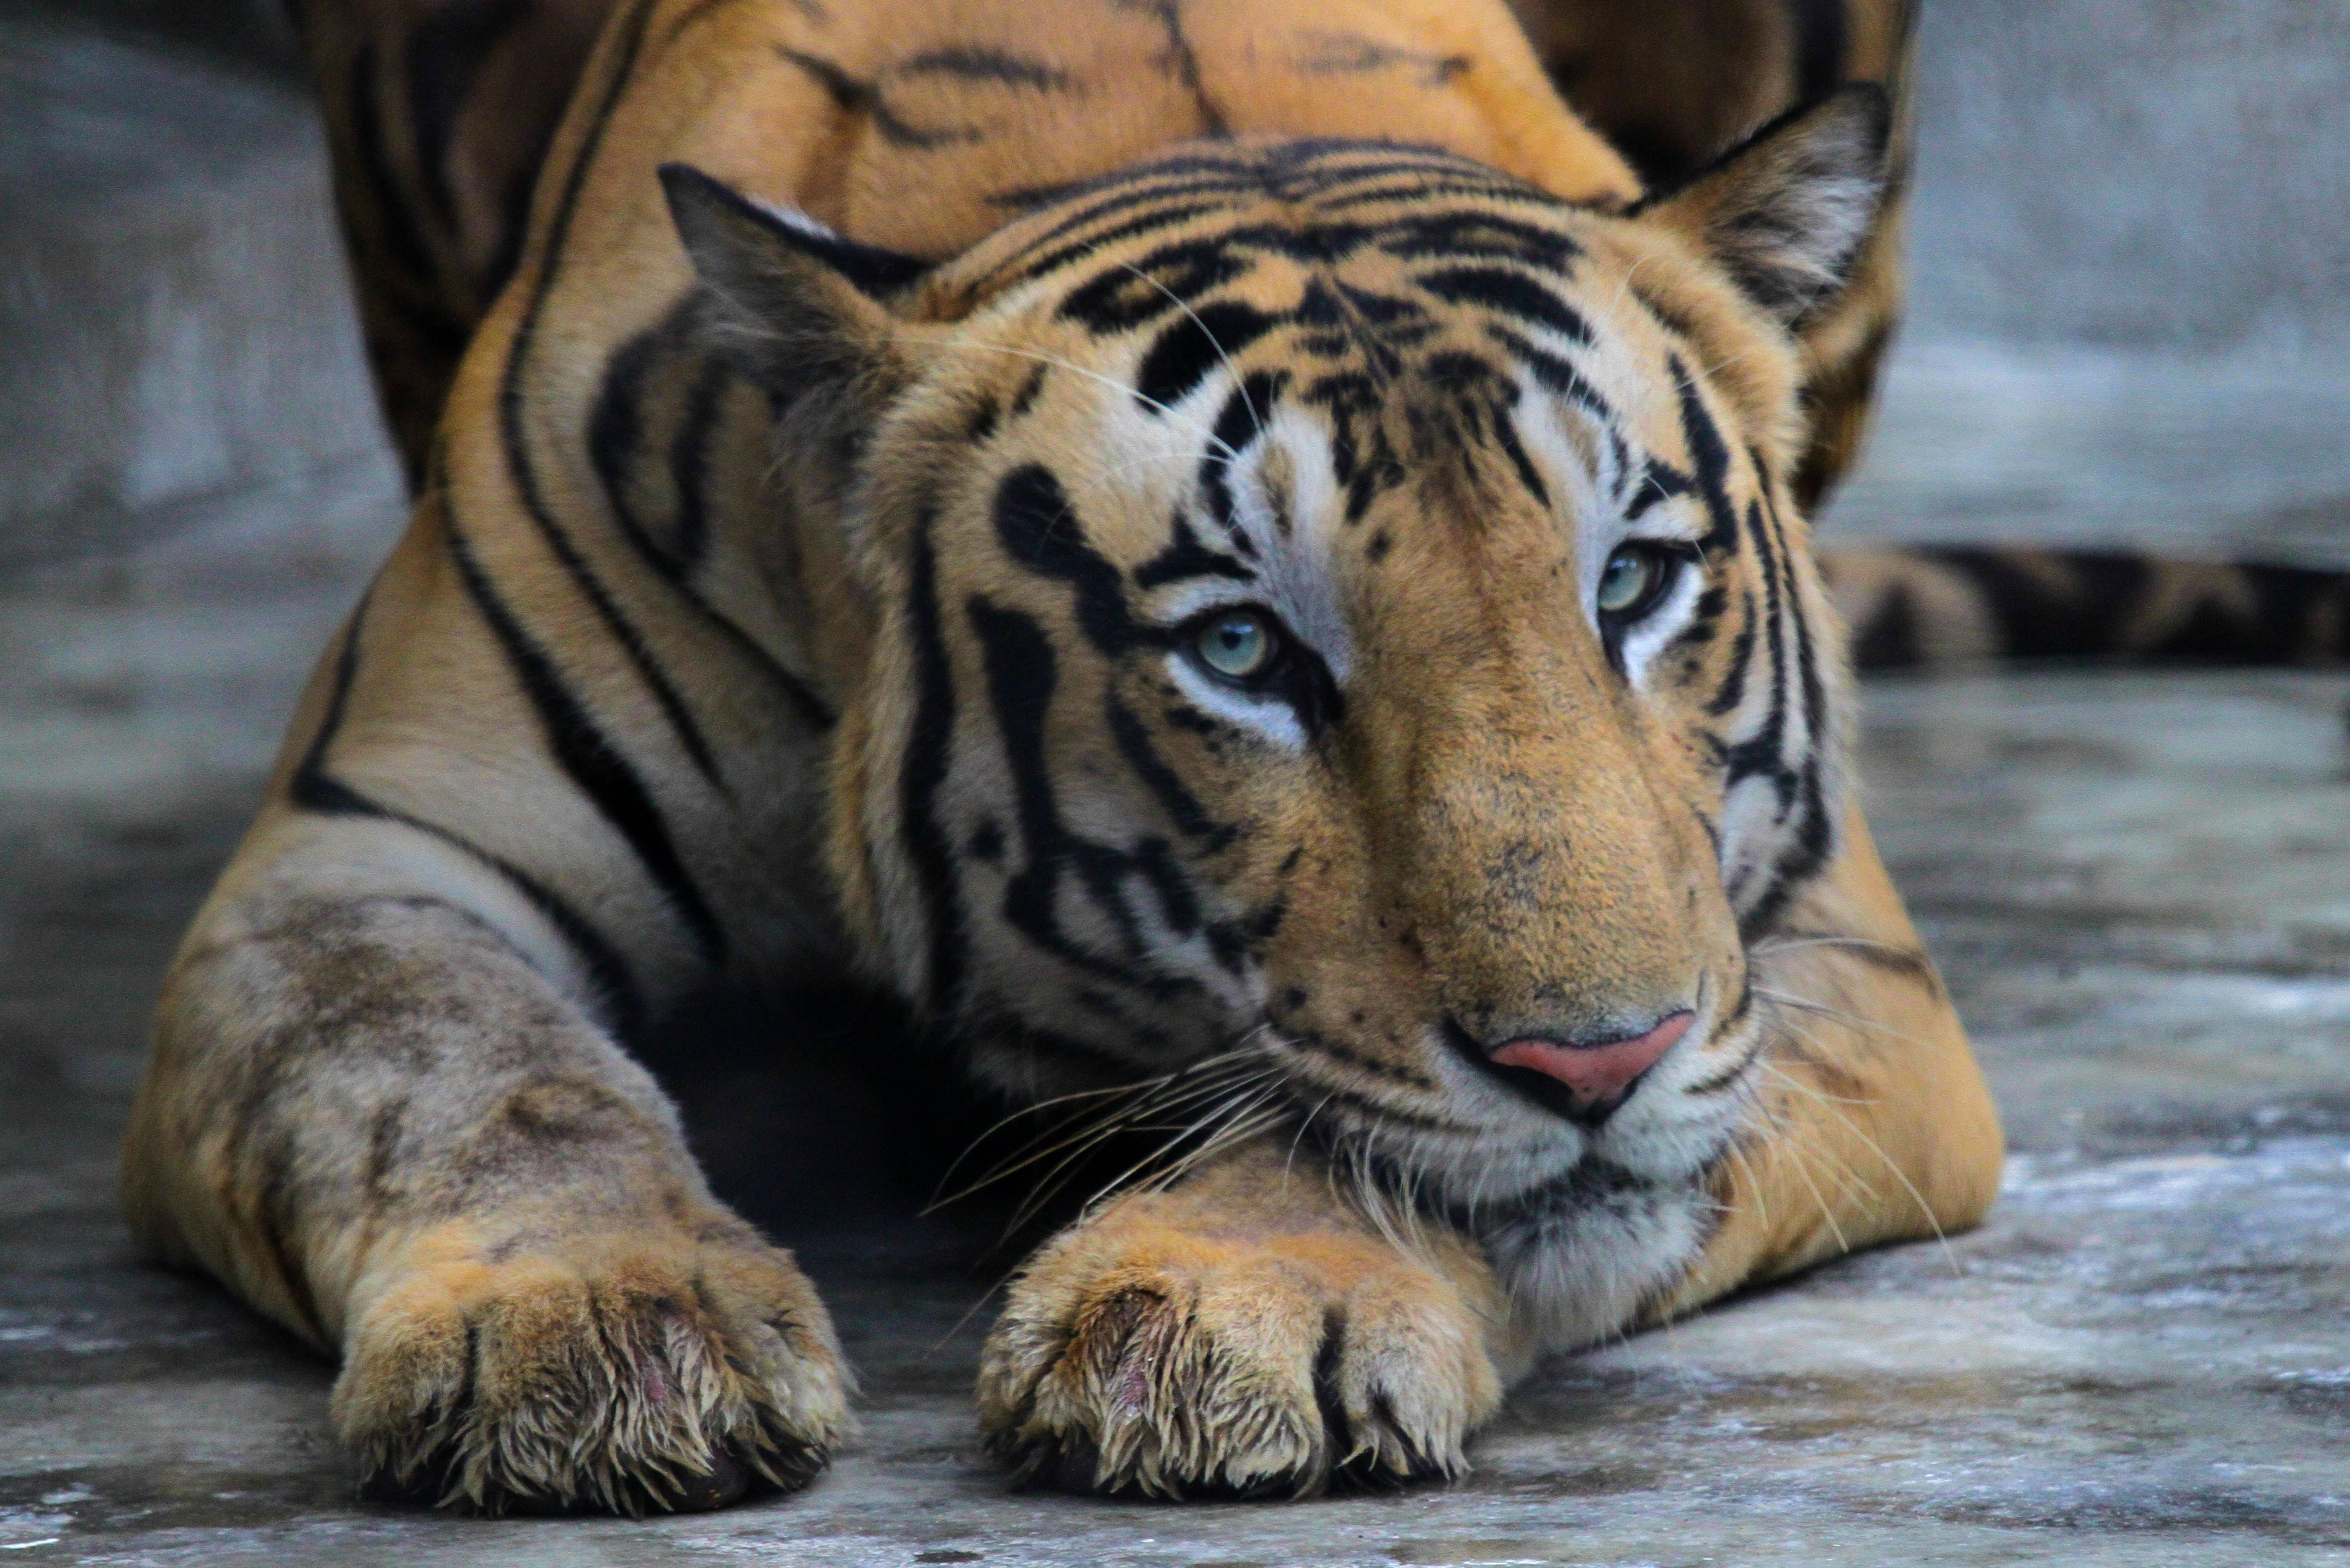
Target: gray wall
[175, 325]
[2131, 261]
[2146, 173]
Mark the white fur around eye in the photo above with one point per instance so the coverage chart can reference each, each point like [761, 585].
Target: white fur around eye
[1268, 717]
[1296, 578]
[1644, 642]
[1593, 504]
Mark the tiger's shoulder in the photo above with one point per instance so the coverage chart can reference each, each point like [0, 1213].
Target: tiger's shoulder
[922, 125]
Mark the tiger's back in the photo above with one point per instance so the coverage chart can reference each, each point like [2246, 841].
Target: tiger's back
[439, 114]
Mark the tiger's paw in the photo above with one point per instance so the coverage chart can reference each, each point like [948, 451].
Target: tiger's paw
[1146, 1359]
[633, 1373]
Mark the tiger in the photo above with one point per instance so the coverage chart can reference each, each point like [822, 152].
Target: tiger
[1246, 550]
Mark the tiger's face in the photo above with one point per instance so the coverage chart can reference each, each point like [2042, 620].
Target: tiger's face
[1335, 604]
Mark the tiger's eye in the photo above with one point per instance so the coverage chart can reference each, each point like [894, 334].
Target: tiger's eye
[1239, 646]
[1629, 577]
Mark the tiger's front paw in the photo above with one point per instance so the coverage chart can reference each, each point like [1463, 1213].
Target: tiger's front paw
[631, 1373]
[1144, 1358]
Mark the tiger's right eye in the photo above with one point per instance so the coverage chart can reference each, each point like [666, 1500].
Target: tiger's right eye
[1634, 579]
[1239, 646]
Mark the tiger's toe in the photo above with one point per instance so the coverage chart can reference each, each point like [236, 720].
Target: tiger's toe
[628, 1374]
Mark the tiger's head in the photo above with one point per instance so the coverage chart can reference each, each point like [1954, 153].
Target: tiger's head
[1333, 602]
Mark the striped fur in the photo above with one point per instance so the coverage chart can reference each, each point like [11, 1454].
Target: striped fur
[813, 569]
[440, 112]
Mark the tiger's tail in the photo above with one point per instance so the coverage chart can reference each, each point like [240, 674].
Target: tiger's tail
[1909, 608]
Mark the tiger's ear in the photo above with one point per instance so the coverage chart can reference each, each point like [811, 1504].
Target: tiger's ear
[796, 305]
[1787, 210]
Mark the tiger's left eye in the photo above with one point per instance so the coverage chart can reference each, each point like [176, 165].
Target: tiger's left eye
[1239, 646]
[1634, 579]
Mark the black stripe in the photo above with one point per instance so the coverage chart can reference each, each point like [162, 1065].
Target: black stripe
[1889, 957]
[1079, 249]
[588, 758]
[1238, 424]
[1348, 1056]
[313, 790]
[2083, 603]
[689, 452]
[1022, 673]
[1820, 34]
[924, 772]
[1743, 1006]
[1764, 753]
[1556, 376]
[1506, 430]
[1030, 390]
[1474, 234]
[1798, 786]
[1323, 1095]
[1890, 637]
[1354, 53]
[616, 431]
[849, 95]
[1037, 527]
[1190, 819]
[511, 409]
[852, 96]
[981, 422]
[444, 54]
[1732, 691]
[978, 63]
[2078, 609]
[330, 723]
[276, 1212]
[1184, 60]
[1187, 351]
[1419, 185]
[1709, 456]
[1185, 559]
[1722, 1078]
[1126, 187]
[615, 443]
[1506, 293]
[617, 991]
[1132, 295]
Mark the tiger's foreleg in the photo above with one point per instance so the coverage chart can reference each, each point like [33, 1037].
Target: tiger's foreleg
[379, 1110]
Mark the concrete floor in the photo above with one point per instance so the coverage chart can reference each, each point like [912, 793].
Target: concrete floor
[2140, 886]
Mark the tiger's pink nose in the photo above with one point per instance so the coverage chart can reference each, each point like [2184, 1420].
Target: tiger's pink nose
[1600, 1072]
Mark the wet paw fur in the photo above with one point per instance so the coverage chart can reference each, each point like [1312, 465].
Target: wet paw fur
[1138, 1357]
[631, 1373]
